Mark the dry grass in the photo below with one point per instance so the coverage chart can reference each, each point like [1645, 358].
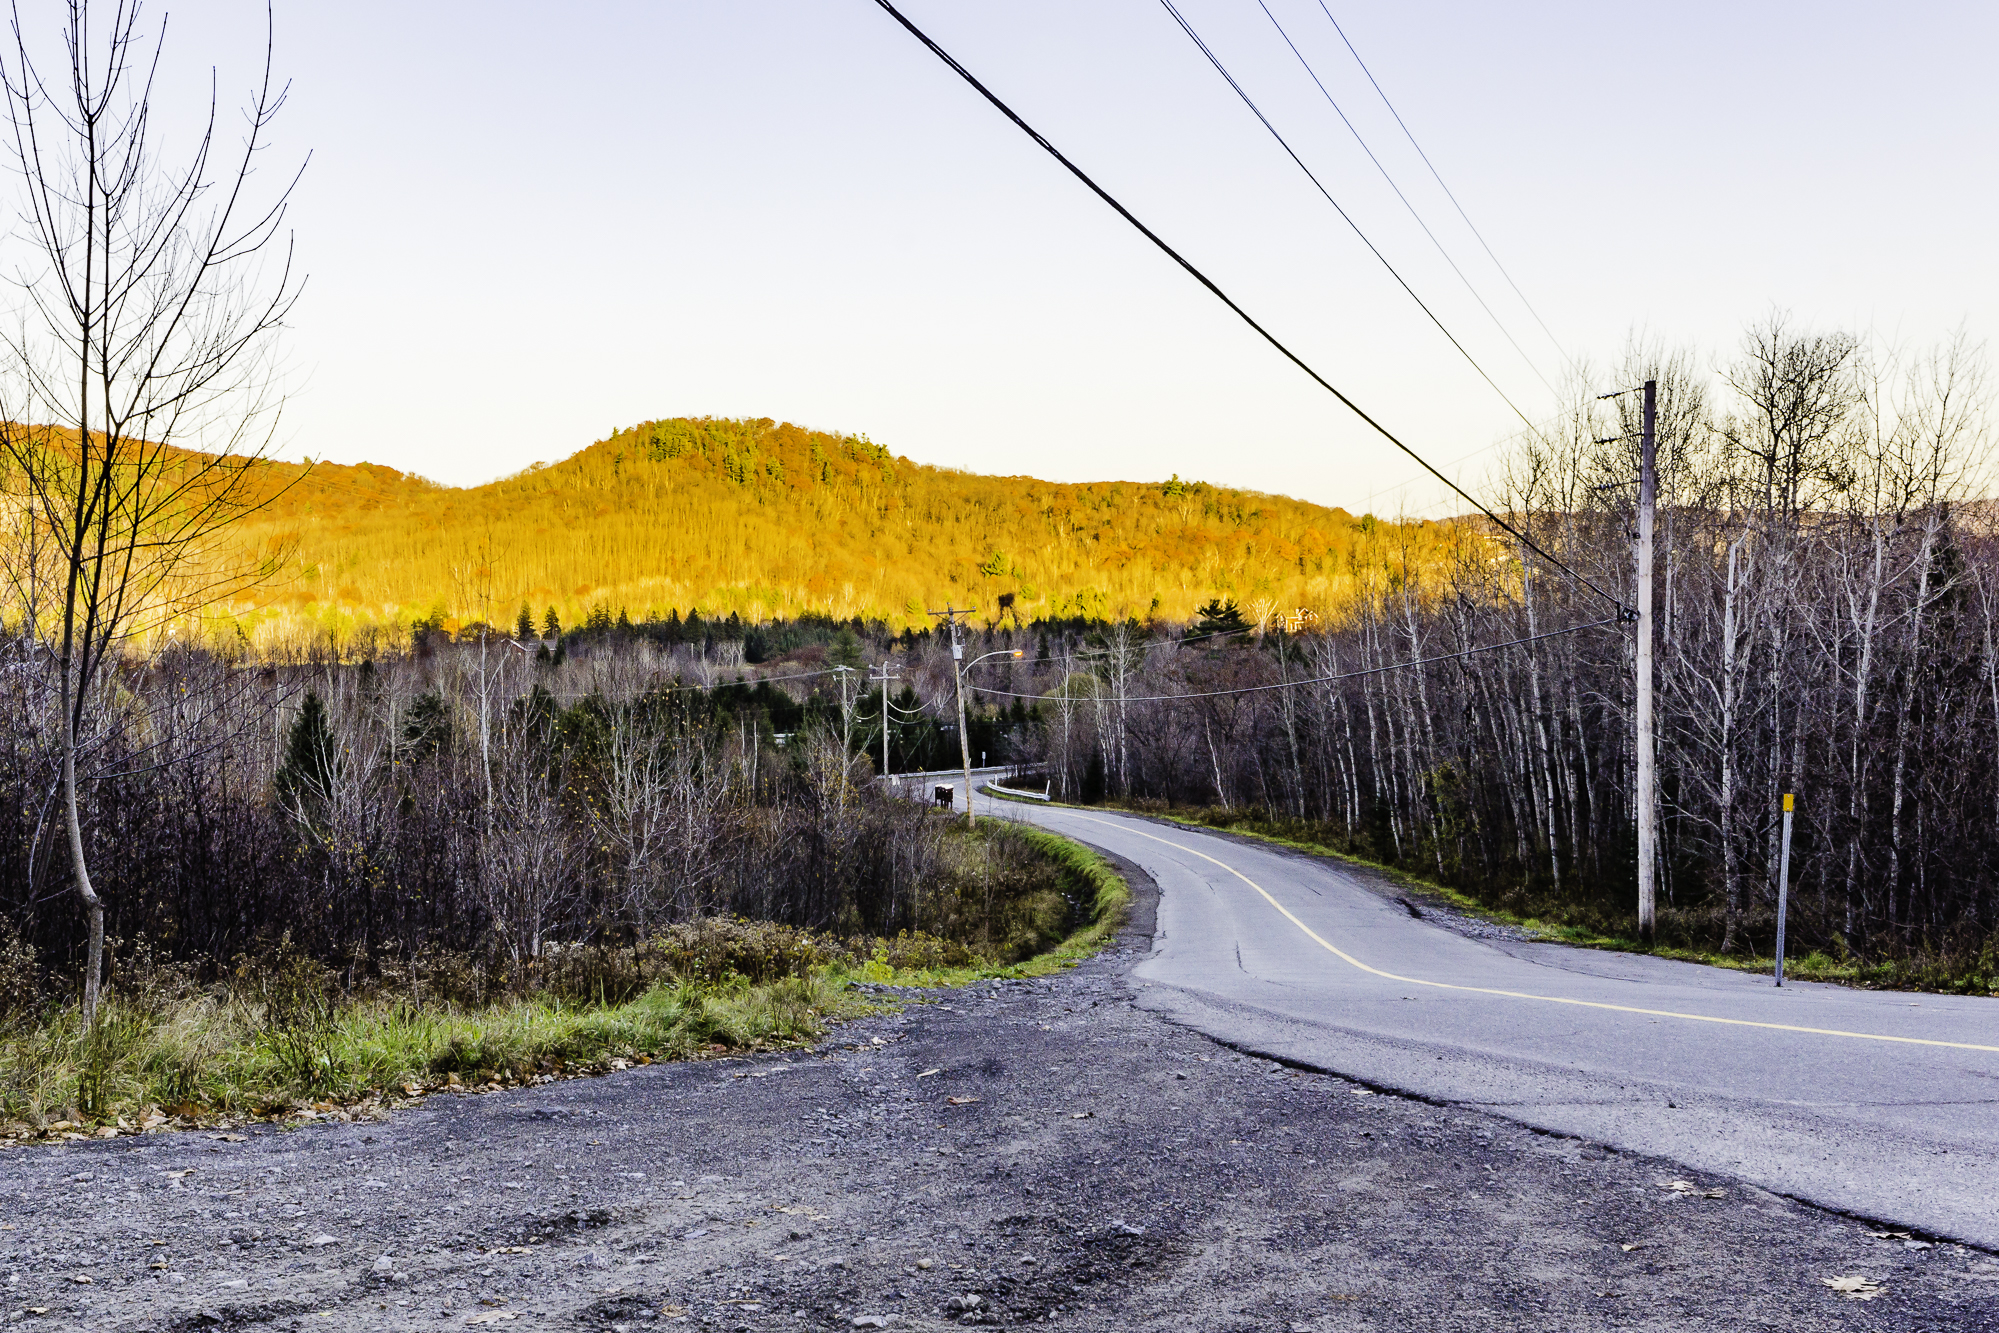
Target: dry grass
[217, 1057]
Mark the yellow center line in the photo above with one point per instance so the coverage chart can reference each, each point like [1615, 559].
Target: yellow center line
[1348, 958]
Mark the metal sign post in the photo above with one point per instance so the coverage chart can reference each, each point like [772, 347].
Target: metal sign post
[1784, 885]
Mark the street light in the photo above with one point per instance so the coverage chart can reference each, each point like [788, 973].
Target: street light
[964, 737]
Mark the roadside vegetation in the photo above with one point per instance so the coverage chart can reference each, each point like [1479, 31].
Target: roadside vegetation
[277, 1038]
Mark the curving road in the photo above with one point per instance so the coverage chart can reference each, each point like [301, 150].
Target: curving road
[1881, 1104]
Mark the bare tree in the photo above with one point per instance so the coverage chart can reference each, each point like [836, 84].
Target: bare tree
[527, 855]
[139, 393]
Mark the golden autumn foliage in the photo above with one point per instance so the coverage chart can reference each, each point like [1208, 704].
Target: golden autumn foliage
[766, 520]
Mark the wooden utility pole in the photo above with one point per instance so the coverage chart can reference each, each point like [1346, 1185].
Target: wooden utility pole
[883, 678]
[1648, 831]
[845, 675]
[951, 614]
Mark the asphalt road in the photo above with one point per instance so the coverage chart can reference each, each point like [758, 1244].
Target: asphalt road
[1884, 1105]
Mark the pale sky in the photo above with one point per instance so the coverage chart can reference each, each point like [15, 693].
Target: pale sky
[527, 224]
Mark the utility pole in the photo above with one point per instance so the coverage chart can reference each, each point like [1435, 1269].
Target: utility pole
[883, 678]
[951, 614]
[1648, 832]
[845, 675]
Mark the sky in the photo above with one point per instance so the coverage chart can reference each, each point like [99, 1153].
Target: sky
[526, 225]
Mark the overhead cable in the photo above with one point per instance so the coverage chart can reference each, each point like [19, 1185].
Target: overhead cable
[1383, 169]
[1240, 313]
[1329, 680]
[1438, 177]
[1250, 102]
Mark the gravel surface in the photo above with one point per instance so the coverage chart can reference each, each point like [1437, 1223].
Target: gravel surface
[1012, 1153]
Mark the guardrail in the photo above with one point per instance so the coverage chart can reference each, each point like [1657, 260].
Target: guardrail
[998, 790]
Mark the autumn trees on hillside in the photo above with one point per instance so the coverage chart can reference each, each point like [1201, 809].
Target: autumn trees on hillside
[767, 521]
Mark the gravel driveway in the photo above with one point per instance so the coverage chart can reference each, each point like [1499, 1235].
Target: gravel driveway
[1030, 1152]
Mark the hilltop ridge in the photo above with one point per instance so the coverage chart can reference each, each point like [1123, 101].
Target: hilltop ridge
[762, 519]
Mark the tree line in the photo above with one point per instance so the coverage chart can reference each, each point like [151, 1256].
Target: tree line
[488, 807]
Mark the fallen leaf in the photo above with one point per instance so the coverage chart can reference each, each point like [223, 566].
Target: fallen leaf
[38, 1309]
[1082, 1115]
[176, 1175]
[1363, 1092]
[1891, 1235]
[928, 1072]
[81, 1277]
[1628, 1248]
[231, 1138]
[1690, 1190]
[1855, 1288]
[672, 1311]
[962, 1101]
[493, 1317]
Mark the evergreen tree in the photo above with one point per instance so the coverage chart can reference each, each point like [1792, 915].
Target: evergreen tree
[1093, 779]
[306, 776]
[1220, 617]
[427, 727]
[524, 626]
[551, 628]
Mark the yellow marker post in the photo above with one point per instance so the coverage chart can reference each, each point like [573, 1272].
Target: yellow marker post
[1784, 884]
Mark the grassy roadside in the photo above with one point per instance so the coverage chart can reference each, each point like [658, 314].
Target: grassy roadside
[1088, 881]
[1929, 975]
[218, 1060]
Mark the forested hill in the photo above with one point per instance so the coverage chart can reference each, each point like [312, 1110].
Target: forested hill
[764, 520]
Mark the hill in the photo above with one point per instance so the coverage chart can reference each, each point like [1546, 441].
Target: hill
[765, 520]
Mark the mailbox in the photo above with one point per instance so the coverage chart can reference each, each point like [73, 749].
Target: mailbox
[944, 794]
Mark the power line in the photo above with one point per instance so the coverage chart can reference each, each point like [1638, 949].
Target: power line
[720, 685]
[1249, 102]
[1228, 301]
[1345, 675]
[1385, 175]
[1438, 177]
